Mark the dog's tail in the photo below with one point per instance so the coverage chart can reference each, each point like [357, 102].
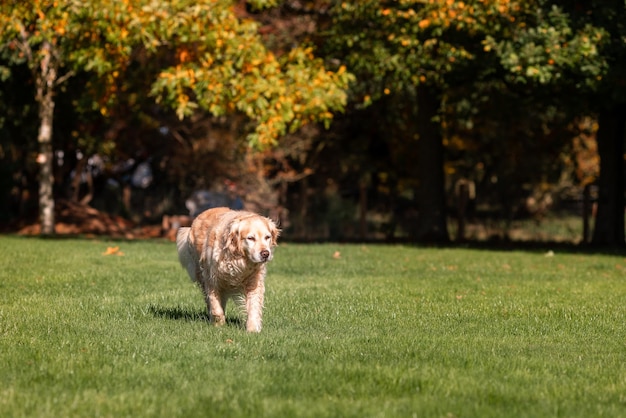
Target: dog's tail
[186, 254]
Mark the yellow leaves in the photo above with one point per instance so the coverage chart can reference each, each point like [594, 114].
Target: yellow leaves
[182, 100]
[228, 69]
[270, 58]
[532, 71]
[424, 23]
[191, 76]
[166, 75]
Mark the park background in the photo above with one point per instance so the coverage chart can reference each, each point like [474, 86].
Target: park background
[371, 121]
[417, 121]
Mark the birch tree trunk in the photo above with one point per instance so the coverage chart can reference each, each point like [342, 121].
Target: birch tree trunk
[46, 79]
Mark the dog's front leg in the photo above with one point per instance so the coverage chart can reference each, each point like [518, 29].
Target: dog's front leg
[215, 308]
[254, 307]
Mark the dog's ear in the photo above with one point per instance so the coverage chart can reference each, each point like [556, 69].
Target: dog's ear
[274, 231]
[234, 239]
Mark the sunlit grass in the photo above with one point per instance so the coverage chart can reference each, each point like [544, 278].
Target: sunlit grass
[349, 331]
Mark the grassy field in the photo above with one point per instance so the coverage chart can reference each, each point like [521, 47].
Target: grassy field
[349, 331]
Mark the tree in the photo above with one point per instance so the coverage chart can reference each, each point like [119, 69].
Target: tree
[416, 50]
[206, 57]
[423, 51]
[579, 47]
[37, 45]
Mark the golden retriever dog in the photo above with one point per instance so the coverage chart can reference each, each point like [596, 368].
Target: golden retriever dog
[225, 251]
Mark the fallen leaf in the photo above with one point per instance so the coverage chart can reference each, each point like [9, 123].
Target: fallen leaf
[113, 251]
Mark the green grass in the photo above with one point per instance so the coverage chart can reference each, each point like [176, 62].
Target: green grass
[381, 331]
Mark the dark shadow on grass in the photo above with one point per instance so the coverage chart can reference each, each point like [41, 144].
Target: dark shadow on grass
[183, 314]
[495, 244]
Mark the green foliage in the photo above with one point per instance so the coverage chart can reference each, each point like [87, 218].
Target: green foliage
[372, 331]
[394, 46]
[202, 54]
[262, 4]
[550, 49]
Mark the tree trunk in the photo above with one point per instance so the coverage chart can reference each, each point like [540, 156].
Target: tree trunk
[363, 207]
[609, 224]
[431, 199]
[46, 78]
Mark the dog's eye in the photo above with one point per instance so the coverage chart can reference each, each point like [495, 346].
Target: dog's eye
[251, 238]
[268, 237]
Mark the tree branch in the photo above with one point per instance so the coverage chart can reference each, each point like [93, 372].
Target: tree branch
[24, 46]
[64, 77]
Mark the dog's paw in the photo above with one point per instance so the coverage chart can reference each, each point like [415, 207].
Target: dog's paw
[218, 321]
[253, 327]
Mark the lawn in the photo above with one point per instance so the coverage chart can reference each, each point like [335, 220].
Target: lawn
[349, 331]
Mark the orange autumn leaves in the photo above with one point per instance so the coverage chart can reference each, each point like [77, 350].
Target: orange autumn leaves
[202, 54]
[223, 66]
[280, 94]
[452, 13]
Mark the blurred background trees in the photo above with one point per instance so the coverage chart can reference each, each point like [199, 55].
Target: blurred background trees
[485, 112]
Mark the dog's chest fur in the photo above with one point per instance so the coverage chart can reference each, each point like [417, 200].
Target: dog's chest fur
[232, 273]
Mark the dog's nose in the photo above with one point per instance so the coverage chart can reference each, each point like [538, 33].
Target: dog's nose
[265, 254]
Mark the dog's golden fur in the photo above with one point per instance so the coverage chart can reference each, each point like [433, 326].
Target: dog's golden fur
[225, 252]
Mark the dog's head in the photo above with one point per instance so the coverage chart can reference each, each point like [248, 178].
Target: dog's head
[254, 237]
